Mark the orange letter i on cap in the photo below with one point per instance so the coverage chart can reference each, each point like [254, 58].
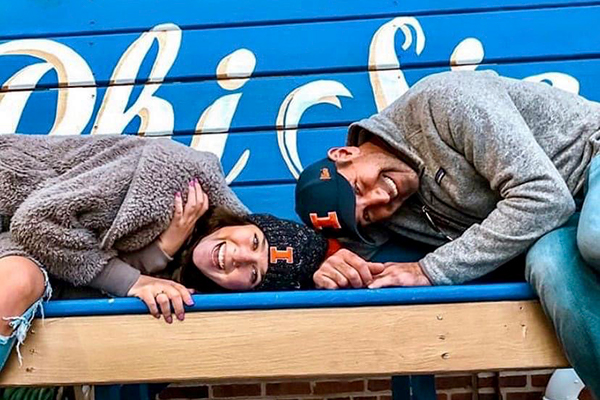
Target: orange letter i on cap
[330, 221]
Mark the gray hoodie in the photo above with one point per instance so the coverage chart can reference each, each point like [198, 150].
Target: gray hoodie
[499, 161]
[75, 202]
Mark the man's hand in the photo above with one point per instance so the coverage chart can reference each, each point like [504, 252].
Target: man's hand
[401, 274]
[345, 269]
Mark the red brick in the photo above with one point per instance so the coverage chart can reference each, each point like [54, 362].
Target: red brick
[513, 381]
[524, 396]
[452, 382]
[442, 396]
[364, 397]
[338, 398]
[487, 382]
[462, 396]
[488, 396]
[286, 388]
[385, 397]
[377, 385]
[240, 390]
[190, 392]
[332, 387]
[540, 380]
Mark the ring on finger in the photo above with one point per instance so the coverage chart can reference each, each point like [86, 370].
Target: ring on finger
[159, 293]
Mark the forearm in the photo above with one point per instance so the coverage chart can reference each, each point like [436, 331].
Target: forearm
[507, 232]
[116, 278]
[150, 259]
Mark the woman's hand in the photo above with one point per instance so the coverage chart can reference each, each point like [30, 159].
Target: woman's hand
[184, 219]
[157, 292]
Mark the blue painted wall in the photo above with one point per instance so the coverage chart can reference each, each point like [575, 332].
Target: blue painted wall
[77, 66]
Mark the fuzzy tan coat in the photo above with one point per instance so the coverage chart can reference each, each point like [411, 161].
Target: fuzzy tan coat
[74, 202]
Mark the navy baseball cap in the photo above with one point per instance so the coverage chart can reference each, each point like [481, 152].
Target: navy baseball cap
[325, 200]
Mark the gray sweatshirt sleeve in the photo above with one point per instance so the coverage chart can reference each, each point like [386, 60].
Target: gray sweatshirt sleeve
[116, 278]
[481, 122]
[150, 259]
[121, 273]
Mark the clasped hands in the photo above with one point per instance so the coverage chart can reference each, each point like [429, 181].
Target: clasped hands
[344, 269]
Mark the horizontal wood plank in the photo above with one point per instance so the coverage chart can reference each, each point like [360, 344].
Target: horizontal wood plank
[313, 47]
[285, 344]
[37, 19]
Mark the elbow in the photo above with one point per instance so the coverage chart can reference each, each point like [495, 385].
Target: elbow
[566, 207]
[561, 208]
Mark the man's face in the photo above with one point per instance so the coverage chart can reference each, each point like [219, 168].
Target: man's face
[381, 182]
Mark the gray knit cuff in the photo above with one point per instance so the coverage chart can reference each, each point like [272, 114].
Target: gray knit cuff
[433, 272]
[116, 278]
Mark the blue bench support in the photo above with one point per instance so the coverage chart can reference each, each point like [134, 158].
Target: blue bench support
[126, 392]
[414, 387]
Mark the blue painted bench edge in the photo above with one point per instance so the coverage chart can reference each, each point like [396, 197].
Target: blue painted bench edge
[304, 299]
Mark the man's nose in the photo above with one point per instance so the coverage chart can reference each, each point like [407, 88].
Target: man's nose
[376, 197]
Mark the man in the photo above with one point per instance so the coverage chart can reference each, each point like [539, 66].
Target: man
[481, 166]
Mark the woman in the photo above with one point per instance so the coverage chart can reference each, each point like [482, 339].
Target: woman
[224, 252]
[77, 206]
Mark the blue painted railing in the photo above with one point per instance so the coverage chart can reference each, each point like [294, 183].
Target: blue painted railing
[303, 299]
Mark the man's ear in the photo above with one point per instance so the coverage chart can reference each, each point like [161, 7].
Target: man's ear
[343, 154]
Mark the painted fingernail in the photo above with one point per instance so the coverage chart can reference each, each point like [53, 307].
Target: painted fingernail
[181, 317]
[169, 320]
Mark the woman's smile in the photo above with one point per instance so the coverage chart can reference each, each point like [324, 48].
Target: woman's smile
[218, 256]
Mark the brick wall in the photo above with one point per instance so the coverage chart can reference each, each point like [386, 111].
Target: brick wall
[484, 386]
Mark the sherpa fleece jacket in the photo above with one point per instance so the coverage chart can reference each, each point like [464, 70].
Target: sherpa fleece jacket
[75, 202]
[499, 161]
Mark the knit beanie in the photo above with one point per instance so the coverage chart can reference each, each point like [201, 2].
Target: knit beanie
[295, 253]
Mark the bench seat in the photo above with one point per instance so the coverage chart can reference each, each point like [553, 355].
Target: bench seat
[279, 335]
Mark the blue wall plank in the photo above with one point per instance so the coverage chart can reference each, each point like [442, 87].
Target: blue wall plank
[342, 46]
[273, 199]
[261, 98]
[266, 164]
[27, 18]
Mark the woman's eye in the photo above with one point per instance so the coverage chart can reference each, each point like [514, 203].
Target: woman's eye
[254, 275]
[255, 242]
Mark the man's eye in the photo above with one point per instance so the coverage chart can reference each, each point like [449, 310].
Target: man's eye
[255, 242]
[356, 189]
[366, 216]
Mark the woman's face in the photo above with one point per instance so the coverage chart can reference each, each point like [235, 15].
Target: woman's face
[234, 257]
